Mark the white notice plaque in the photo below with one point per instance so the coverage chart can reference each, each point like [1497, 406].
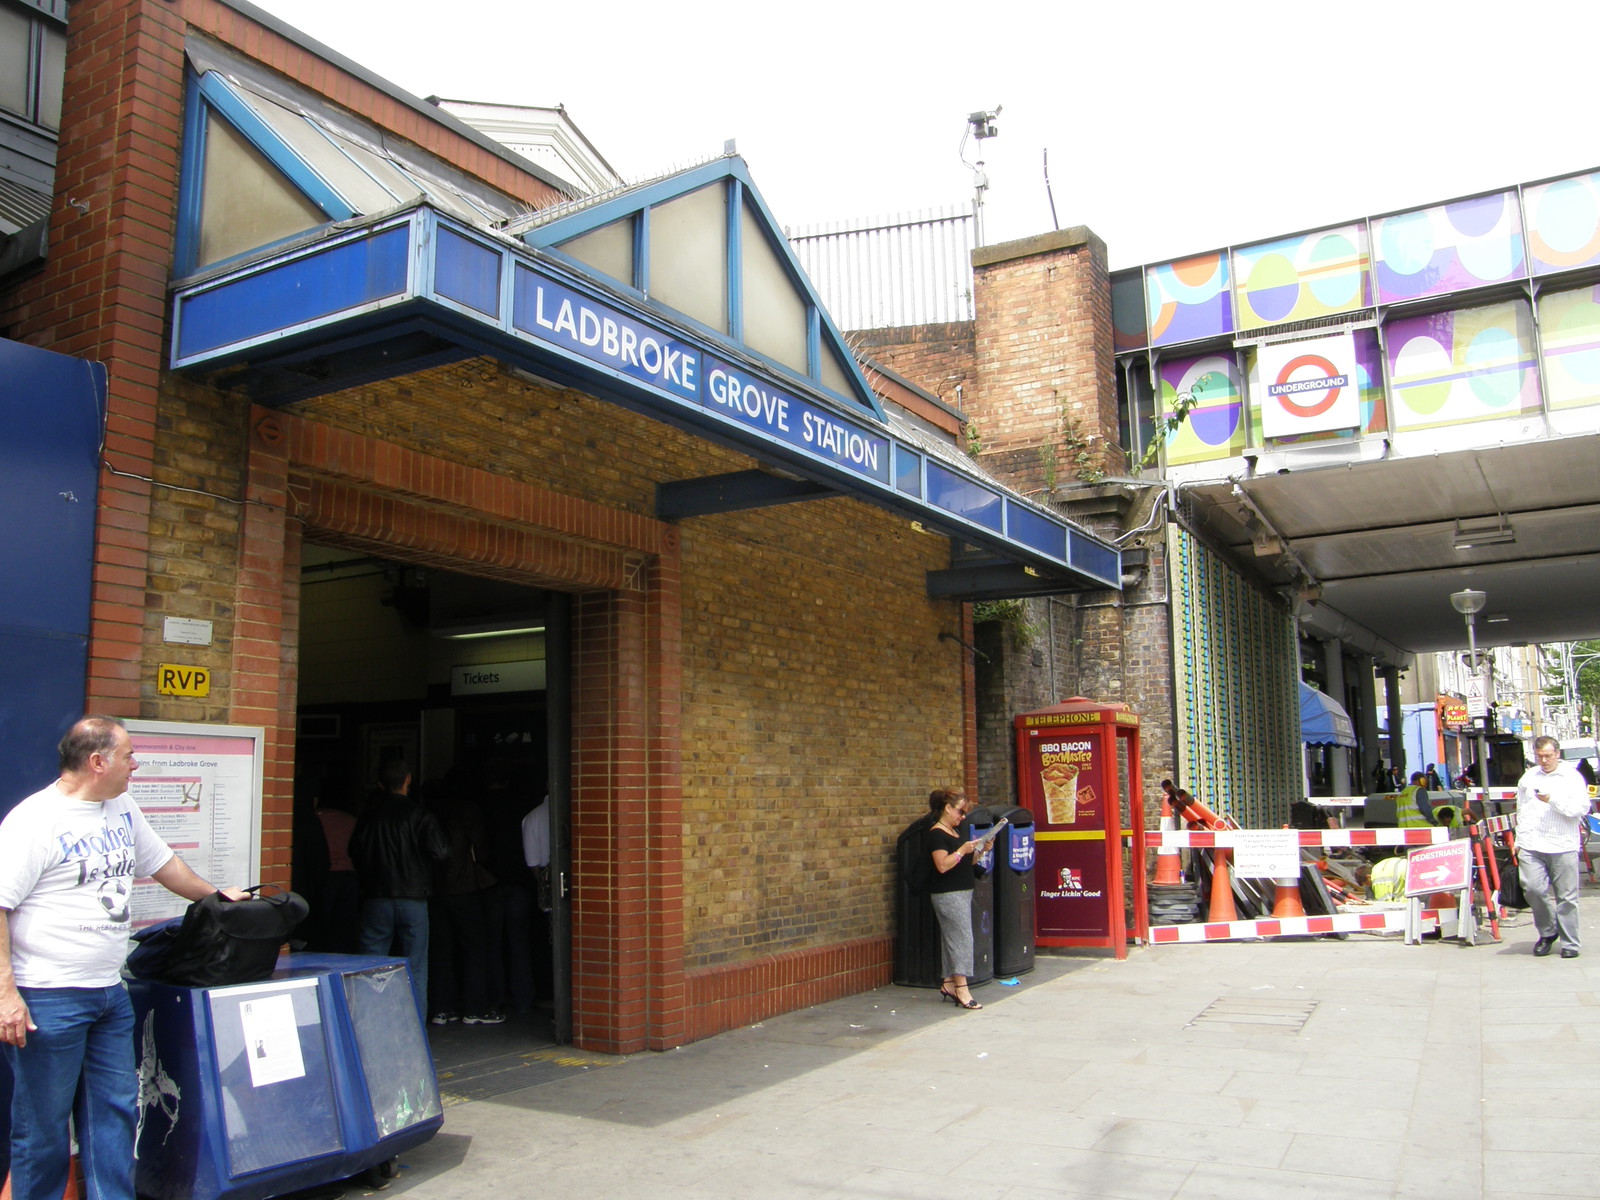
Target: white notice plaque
[1266, 853]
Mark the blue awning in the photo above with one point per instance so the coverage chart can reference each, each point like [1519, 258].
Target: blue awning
[1323, 721]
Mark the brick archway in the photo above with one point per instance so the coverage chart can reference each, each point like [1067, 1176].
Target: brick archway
[622, 570]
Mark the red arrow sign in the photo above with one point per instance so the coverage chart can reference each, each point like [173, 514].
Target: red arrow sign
[1446, 867]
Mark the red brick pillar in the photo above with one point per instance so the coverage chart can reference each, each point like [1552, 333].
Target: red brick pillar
[1045, 401]
[102, 294]
[265, 667]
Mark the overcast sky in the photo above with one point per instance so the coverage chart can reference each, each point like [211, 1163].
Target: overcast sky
[1171, 127]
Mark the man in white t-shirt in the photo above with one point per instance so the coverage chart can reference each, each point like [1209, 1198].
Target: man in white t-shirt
[69, 855]
[1552, 801]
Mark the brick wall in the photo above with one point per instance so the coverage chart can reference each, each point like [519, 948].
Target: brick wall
[1045, 402]
[937, 358]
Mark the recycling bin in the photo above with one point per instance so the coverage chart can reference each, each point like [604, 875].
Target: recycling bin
[918, 959]
[253, 1090]
[916, 944]
[979, 822]
[1014, 893]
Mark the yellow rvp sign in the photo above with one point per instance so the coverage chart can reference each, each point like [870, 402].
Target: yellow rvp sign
[175, 680]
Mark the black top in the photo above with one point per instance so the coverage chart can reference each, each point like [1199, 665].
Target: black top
[394, 847]
[959, 878]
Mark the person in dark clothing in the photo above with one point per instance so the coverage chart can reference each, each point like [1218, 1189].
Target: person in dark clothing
[951, 891]
[511, 899]
[458, 948]
[394, 846]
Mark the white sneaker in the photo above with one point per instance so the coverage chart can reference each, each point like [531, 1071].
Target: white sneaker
[488, 1018]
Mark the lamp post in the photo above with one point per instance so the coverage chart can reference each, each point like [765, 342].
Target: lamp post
[1469, 603]
[1574, 665]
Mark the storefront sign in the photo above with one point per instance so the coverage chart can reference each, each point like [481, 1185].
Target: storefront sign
[605, 335]
[1452, 712]
[1309, 386]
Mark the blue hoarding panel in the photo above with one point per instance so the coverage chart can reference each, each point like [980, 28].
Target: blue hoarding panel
[1036, 531]
[964, 497]
[294, 292]
[467, 273]
[1092, 558]
[908, 471]
[50, 408]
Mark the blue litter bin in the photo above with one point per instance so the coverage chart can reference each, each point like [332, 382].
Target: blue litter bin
[254, 1090]
[1014, 894]
[980, 820]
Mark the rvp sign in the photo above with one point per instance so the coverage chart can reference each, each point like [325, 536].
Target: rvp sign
[1446, 867]
[175, 680]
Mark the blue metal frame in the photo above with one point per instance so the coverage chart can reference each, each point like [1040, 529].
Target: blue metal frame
[637, 202]
[567, 327]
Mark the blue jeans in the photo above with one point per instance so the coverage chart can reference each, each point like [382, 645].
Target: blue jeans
[396, 925]
[84, 1035]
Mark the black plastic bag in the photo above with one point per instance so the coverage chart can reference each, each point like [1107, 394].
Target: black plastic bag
[219, 941]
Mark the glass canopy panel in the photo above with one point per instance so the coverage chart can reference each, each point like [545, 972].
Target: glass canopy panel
[774, 310]
[688, 253]
[390, 177]
[358, 189]
[835, 374]
[15, 31]
[608, 250]
[246, 202]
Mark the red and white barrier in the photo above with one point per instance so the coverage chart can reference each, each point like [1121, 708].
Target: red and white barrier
[1207, 839]
[1228, 931]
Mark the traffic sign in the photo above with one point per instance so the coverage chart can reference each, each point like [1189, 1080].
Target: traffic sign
[1476, 707]
[1446, 867]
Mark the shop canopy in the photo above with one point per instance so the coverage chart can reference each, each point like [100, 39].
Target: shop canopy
[679, 298]
[1323, 721]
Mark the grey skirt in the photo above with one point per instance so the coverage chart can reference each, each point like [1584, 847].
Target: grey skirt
[954, 910]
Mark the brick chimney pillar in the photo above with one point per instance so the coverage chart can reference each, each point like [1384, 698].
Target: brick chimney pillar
[1045, 404]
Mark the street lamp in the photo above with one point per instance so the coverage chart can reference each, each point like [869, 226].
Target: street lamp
[1469, 603]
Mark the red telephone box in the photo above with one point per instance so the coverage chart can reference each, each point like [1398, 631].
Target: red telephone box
[1076, 762]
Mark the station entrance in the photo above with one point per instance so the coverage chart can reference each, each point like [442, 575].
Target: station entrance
[463, 678]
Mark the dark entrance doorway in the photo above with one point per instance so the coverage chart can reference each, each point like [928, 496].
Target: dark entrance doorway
[465, 679]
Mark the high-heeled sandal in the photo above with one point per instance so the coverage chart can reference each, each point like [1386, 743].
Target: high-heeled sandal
[967, 1003]
[949, 995]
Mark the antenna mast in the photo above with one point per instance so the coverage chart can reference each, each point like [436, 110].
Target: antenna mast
[980, 125]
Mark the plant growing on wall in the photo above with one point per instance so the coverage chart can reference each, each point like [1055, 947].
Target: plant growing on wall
[1013, 614]
[1168, 425]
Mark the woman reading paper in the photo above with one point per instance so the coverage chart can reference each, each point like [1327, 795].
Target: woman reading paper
[951, 891]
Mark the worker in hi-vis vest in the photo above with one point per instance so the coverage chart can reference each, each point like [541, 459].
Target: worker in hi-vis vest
[1412, 809]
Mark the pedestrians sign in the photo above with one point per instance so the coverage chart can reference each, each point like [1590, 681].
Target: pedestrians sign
[1446, 867]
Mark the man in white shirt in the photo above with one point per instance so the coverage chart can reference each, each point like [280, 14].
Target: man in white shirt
[69, 855]
[1552, 801]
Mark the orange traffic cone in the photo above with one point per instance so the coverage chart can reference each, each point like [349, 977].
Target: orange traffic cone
[1168, 870]
[1222, 908]
[1286, 903]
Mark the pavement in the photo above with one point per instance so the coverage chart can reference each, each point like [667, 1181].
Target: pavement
[1280, 1068]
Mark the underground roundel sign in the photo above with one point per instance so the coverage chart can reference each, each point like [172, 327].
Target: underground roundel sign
[1309, 386]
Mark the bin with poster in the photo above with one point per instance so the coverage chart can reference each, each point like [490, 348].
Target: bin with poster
[1078, 772]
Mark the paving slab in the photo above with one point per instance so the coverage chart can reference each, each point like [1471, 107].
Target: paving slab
[1355, 1067]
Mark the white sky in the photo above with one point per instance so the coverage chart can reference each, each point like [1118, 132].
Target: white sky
[1171, 127]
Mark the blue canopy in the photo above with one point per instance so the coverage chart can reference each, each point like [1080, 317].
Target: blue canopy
[1323, 721]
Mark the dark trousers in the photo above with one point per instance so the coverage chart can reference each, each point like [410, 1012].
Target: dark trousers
[458, 950]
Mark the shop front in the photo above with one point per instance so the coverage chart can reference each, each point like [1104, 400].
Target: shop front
[721, 581]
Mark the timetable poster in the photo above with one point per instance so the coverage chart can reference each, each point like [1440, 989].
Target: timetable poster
[199, 786]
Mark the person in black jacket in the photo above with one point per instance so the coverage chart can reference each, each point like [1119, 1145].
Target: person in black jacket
[394, 846]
